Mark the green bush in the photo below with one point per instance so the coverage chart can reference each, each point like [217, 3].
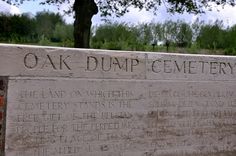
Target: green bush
[44, 41]
[230, 51]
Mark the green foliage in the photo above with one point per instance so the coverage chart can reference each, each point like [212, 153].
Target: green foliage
[145, 34]
[184, 34]
[169, 30]
[120, 7]
[192, 37]
[44, 41]
[230, 41]
[212, 36]
[64, 33]
[17, 29]
[183, 37]
[230, 51]
[141, 37]
[115, 36]
[231, 37]
[85, 9]
[46, 23]
[45, 28]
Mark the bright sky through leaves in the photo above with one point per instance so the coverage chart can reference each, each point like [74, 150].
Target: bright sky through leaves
[228, 14]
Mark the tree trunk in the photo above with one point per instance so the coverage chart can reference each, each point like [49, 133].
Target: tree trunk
[84, 11]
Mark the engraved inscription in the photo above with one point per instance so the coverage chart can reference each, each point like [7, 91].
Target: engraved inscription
[31, 61]
[89, 63]
[63, 62]
[193, 67]
[58, 117]
[111, 63]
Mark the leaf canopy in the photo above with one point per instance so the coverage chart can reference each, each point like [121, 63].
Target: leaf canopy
[120, 7]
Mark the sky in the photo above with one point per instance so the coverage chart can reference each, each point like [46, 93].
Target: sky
[135, 16]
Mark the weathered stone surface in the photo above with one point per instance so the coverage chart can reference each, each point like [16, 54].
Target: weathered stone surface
[58, 117]
[190, 67]
[73, 102]
[3, 85]
[34, 61]
[66, 62]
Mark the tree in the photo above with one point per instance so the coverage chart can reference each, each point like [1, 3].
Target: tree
[170, 31]
[231, 38]
[63, 32]
[157, 32]
[196, 28]
[46, 23]
[184, 34]
[16, 28]
[85, 9]
[115, 36]
[212, 36]
[146, 35]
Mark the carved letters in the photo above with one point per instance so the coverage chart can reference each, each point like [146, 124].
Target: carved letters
[115, 64]
[193, 67]
[59, 117]
[32, 61]
[82, 102]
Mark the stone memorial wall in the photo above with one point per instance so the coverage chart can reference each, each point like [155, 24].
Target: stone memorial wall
[75, 102]
[3, 82]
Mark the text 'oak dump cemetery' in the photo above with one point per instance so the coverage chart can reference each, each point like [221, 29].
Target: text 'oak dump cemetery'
[74, 102]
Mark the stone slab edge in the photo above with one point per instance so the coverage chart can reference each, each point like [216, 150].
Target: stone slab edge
[3, 101]
[34, 61]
